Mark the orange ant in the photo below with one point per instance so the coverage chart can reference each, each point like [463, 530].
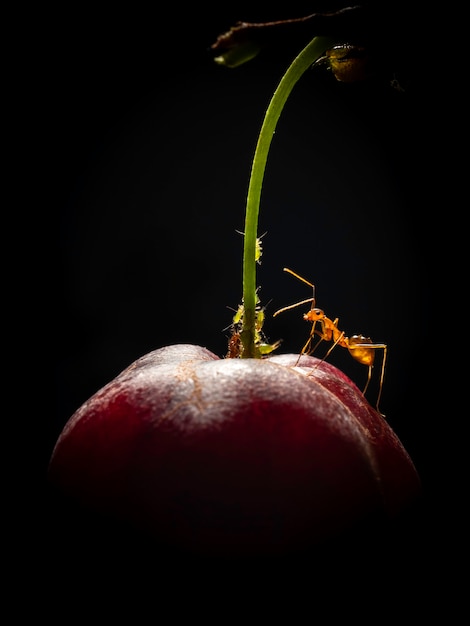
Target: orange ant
[361, 348]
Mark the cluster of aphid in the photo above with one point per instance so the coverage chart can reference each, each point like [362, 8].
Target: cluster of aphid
[235, 347]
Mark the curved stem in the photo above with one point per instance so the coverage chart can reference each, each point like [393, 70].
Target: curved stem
[300, 64]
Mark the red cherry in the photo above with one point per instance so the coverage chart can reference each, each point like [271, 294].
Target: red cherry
[233, 456]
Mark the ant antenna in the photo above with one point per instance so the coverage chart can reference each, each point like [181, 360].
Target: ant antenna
[293, 306]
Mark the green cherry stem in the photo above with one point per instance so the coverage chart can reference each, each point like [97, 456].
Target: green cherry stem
[301, 63]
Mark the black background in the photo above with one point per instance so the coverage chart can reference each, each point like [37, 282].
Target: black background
[150, 146]
[154, 152]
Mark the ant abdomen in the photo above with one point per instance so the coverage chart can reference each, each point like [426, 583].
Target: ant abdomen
[360, 352]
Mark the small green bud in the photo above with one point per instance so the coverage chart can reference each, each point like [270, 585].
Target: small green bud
[242, 53]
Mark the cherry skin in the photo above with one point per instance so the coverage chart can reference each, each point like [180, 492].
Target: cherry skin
[233, 456]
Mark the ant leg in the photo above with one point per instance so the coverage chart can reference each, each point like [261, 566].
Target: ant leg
[382, 376]
[331, 348]
[317, 344]
[307, 347]
[369, 376]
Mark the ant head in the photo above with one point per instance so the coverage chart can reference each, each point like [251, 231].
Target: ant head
[314, 315]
